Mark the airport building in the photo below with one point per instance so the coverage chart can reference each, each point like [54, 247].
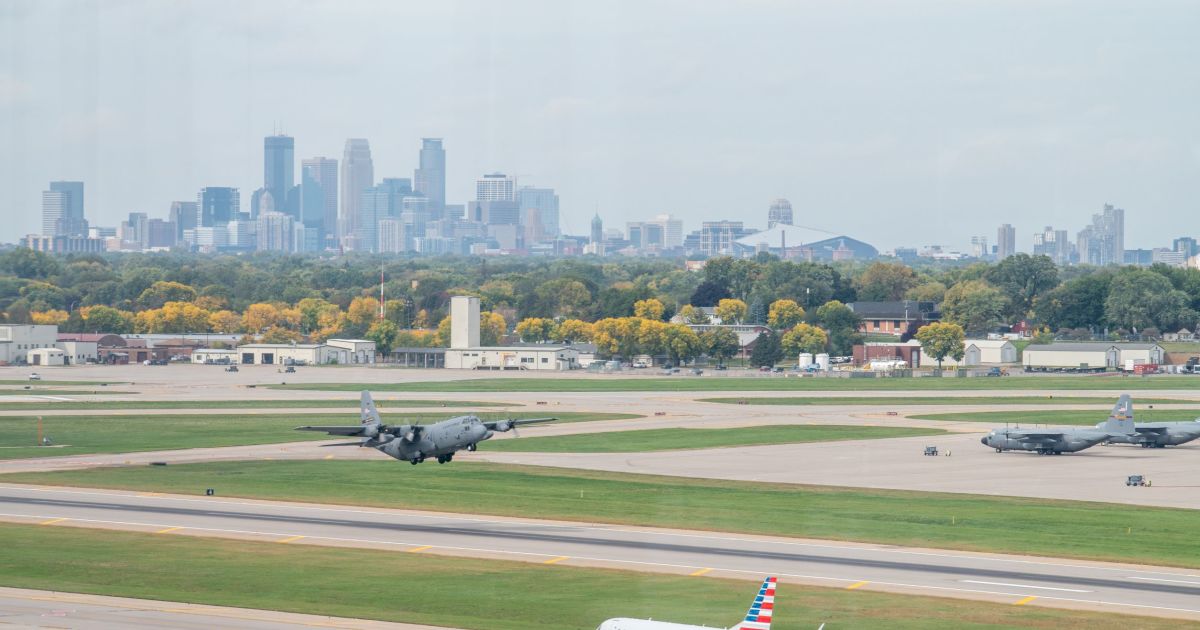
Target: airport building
[465, 353]
[16, 340]
[978, 352]
[332, 352]
[1089, 355]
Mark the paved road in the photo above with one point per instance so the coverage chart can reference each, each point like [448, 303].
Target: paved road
[1012, 579]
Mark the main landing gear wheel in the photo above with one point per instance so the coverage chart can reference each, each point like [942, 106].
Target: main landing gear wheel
[472, 447]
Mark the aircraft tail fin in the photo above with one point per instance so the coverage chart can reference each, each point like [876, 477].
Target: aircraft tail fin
[1120, 420]
[368, 414]
[761, 611]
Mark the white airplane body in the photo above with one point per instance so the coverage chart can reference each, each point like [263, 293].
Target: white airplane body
[757, 618]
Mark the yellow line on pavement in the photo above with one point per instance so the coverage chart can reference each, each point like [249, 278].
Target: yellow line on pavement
[167, 530]
[329, 457]
[53, 521]
[289, 539]
[1024, 600]
[857, 585]
[555, 560]
[149, 494]
[700, 572]
[419, 549]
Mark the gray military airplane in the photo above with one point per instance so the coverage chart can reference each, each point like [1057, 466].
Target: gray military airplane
[1067, 440]
[414, 442]
[1158, 434]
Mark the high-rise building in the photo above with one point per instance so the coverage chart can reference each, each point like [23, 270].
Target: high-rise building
[495, 187]
[671, 229]
[1006, 241]
[322, 172]
[358, 174]
[374, 203]
[276, 232]
[1186, 245]
[279, 167]
[597, 235]
[1103, 242]
[979, 247]
[429, 178]
[546, 203]
[217, 205]
[62, 210]
[717, 237]
[184, 215]
[1053, 243]
[780, 212]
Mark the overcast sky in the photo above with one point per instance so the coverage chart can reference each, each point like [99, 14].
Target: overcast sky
[898, 123]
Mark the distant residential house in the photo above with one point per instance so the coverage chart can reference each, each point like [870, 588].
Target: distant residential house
[1182, 335]
[901, 318]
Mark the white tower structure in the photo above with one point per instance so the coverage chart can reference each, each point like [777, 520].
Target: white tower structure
[464, 322]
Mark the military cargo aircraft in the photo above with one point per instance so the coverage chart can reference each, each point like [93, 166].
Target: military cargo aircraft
[1069, 440]
[414, 442]
[1158, 434]
[757, 618]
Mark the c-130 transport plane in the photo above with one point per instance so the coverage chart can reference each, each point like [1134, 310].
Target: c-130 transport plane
[757, 618]
[414, 442]
[1058, 441]
[1158, 434]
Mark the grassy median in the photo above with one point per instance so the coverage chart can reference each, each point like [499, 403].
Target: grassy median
[1102, 531]
[83, 435]
[644, 440]
[90, 405]
[935, 400]
[463, 592]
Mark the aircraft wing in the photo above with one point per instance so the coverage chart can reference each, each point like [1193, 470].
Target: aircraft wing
[343, 430]
[504, 425]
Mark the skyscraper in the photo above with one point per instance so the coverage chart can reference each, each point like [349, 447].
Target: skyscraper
[597, 229]
[217, 206]
[430, 177]
[1103, 242]
[1006, 241]
[358, 174]
[780, 212]
[495, 187]
[62, 210]
[323, 172]
[184, 215]
[545, 202]
[279, 167]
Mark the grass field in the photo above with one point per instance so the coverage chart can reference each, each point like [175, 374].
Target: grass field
[464, 592]
[677, 439]
[58, 392]
[1101, 531]
[770, 383]
[122, 434]
[26, 381]
[936, 400]
[382, 405]
[1063, 417]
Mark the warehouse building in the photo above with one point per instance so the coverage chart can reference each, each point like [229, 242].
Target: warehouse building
[982, 352]
[16, 340]
[1089, 355]
[465, 353]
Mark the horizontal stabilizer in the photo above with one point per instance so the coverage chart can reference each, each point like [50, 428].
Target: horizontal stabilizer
[355, 430]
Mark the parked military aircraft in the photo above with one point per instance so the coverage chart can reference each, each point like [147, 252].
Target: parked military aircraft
[1070, 440]
[1158, 434]
[757, 618]
[414, 442]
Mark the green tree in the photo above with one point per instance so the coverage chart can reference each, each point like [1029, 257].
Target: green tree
[1139, 299]
[720, 343]
[23, 262]
[1077, 303]
[767, 350]
[784, 314]
[161, 292]
[940, 340]
[681, 343]
[385, 334]
[931, 291]
[804, 338]
[975, 305]
[105, 319]
[842, 325]
[1022, 278]
[883, 282]
[693, 315]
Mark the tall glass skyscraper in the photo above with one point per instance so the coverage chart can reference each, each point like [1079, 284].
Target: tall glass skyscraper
[430, 178]
[321, 172]
[62, 210]
[217, 206]
[279, 167]
[358, 174]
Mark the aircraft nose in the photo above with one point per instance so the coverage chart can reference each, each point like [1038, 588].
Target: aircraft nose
[983, 440]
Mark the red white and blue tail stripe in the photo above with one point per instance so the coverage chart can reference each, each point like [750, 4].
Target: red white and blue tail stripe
[759, 615]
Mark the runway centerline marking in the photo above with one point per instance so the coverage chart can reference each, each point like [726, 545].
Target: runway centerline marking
[556, 560]
[168, 530]
[1043, 588]
[289, 539]
[53, 521]
[1024, 600]
[1147, 579]
[699, 573]
[857, 585]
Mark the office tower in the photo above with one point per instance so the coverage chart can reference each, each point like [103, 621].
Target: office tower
[1185, 245]
[634, 233]
[279, 167]
[159, 234]
[494, 212]
[1006, 241]
[183, 215]
[717, 237]
[276, 232]
[62, 210]
[597, 229]
[391, 236]
[399, 186]
[546, 203]
[780, 212]
[374, 204]
[1103, 242]
[495, 187]
[979, 246]
[429, 178]
[217, 206]
[671, 230]
[262, 201]
[358, 174]
[323, 173]
[133, 231]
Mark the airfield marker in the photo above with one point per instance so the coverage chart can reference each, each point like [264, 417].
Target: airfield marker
[700, 572]
[857, 585]
[1025, 600]
[53, 521]
[555, 560]
[167, 530]
[422, 548]
[289, 539]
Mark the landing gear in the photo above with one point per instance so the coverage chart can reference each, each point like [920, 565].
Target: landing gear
[418, 459]
[443, 459]
[472, 447]
[999, 450]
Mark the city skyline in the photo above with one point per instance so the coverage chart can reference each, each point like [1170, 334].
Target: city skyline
[1042, 133]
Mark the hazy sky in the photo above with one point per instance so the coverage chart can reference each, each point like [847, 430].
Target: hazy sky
[899, 123]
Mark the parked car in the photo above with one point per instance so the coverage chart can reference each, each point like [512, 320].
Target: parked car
[232, 368]
[697, 371]
[35, 376]
[721, 368]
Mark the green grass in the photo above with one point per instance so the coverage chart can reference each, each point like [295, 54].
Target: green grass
[769, 383]
[58, 392]
[123, 434]
[678, 439]
[1101, 531]
[25, 381]
[467, 593]
[383, 405]
[1088, 418]
[935, 400]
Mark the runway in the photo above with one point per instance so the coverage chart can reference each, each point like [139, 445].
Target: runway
[1012, 579]
[24, 608]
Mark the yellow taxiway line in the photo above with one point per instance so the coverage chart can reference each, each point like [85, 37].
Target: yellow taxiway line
[168, 530]
[1024, 600]
[420, 549]
[53, 521]
[289, 539]
[857, 585]
[555, 560]
[699, 573]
